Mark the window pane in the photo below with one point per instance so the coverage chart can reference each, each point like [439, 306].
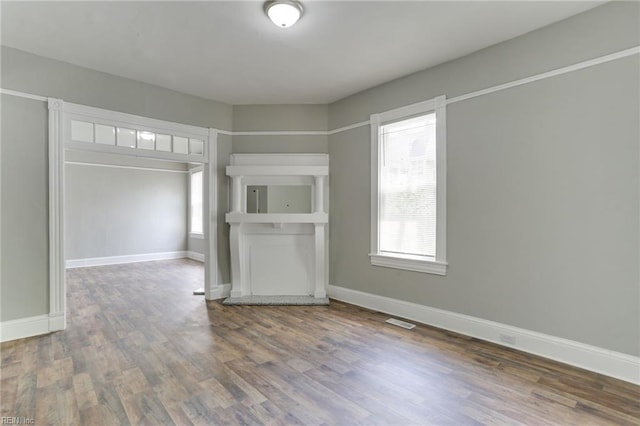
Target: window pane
[408, 187]
[180, 145]
[196, 146]
[196, 203]
[105, 134]
[163, 143]
[126, 137]
[146, 140]
[81, 131]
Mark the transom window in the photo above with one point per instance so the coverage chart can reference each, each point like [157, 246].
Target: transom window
[408, 188]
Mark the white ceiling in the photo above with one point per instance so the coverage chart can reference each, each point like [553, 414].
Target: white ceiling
[229, 51]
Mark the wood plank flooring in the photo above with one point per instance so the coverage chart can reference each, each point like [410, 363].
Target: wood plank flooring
[141, 349]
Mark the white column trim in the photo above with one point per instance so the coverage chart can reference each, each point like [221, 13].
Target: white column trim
[57, 287]
[318, 194]
[211, 220]
[320, 276]
[236, 242]
[236, 194]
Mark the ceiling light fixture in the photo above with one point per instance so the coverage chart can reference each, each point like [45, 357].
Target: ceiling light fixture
[283, 13]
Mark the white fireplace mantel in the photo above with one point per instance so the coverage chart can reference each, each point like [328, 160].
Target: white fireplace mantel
[279, 254]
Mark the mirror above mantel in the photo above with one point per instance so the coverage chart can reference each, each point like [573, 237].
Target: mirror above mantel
[262, 199]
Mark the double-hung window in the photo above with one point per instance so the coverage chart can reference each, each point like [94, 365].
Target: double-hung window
[408, 207]
[195, 203]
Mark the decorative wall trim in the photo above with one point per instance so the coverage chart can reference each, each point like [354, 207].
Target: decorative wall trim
[57, 283]
[117, 260]
[610, 363]
[283, 133]
[23, 95]
[25, 327]
[345, 128]
[564, 70]
[194, 255]
[114, 166]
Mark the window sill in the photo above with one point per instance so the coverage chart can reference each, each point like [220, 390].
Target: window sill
[409, 264]
[196, 236]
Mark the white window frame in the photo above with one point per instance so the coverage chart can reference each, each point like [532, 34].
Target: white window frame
[196, 235]
[438, 264]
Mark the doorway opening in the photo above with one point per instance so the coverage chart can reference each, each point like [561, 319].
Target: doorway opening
[80, 131]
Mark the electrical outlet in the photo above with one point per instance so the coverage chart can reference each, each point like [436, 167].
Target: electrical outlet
[507, 338]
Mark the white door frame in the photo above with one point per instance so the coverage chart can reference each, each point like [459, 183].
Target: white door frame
[59, 137]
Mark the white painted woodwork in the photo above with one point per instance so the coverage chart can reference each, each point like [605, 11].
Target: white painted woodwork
[278, 254]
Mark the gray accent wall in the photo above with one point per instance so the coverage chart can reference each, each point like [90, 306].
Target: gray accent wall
[543, 185]
[24, 263]
[116, 211]
[273, 118]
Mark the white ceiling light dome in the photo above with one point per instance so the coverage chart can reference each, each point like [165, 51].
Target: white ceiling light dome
[283, 13]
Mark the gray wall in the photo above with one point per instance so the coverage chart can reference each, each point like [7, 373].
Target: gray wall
[195, 245]
[29, 73]
[542, 208]
[24, 264]
[121, 211]
[25, 283]
[248, 118]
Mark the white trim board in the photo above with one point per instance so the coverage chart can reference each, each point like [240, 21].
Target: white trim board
[610, 363]
[23, 95]
[193, 255]
[220, 291]
[282, 133]
[114, 166]
[132, 258]
[25, 327]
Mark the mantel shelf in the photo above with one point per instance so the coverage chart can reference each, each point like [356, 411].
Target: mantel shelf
[277, 218]
[270, 170]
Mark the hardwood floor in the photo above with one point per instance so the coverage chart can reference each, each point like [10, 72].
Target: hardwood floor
[141, 349]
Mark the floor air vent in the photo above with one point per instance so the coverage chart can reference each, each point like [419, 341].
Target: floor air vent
[399, 323]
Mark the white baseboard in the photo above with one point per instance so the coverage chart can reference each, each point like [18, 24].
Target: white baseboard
[117, 260]
[195, 256]
[220, 291]
[31, 326]
[610, 363]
